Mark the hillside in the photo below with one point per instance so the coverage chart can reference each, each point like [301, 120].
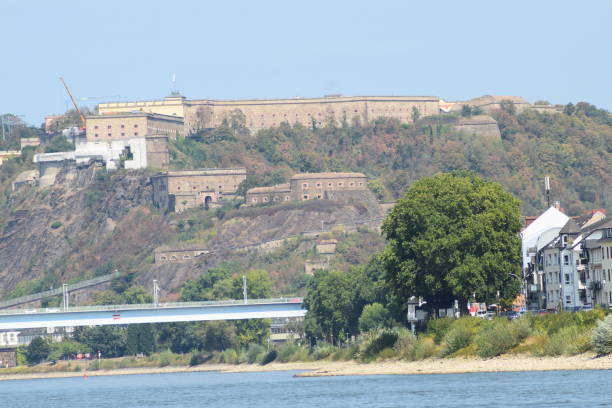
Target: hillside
[92, 222]
[574, 149]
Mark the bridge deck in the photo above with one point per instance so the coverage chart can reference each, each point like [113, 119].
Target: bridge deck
[150, 313]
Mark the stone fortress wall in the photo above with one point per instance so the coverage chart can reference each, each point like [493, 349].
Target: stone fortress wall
[178, 190]
[308, 186]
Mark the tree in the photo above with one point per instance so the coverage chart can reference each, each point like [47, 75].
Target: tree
[416, 114]
[374, 316]
[140, 339]
[569, 109]
[451, 236]
[109, 340]
[508, 107]
[59, 143]
[37, 350]
[466, 111]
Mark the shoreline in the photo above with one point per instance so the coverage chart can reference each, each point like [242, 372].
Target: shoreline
[519, 363]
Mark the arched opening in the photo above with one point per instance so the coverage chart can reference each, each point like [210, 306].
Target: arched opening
[207, 202]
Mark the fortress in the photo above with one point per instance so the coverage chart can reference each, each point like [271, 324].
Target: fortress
[265, 113]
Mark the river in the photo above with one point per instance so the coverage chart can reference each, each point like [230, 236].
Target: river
[282, 389]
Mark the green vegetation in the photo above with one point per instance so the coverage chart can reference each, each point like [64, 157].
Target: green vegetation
[571, 148]
[602, 336]
[451, 236]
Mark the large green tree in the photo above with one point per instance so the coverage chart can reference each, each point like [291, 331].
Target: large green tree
[37, 350]
[451, 236]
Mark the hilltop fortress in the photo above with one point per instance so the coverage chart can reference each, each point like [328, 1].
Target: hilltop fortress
[264, 113]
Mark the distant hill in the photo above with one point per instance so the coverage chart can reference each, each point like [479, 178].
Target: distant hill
[573, 148]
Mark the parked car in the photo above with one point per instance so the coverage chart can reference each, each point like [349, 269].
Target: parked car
[510, 314]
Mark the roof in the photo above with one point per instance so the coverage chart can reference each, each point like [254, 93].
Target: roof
[548, 224]
[137, 114]
[270, 189]
[304, 176]
[570, 227]
[202, 172]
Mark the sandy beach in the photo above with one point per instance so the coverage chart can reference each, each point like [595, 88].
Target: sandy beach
[340, 368]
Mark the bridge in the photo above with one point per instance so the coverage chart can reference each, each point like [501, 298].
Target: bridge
[151, 313]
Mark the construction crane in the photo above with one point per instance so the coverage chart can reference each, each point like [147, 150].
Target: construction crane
[76, 107]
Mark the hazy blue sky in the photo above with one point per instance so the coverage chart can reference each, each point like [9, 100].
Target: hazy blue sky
[554, 50]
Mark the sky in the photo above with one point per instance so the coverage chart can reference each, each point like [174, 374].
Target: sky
[128, 50]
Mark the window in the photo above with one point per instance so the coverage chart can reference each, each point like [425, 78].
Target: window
[135, 133]
[286, 198]
[186, 257]
[109, 134]
[361, 184]
[318, 185]
[305, 196]
[265, 199]
[122, 126]
[319, 196]
[163, 258]
[565, 260]
[330, 184]
[96, 135]
[178, 187]
[567, 279]
[304, 185]
[194, 187]
[136, 125]
[122, 133]
[254, 199]
[109, 127]
[95, 127]
[568, 299]
[340, 184]
[352, 184]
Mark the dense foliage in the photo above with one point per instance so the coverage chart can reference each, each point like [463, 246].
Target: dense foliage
[453, 236]
[573, 148]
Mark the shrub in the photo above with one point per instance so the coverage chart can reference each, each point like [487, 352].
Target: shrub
[322, 350]
[457, 338]
[521, 328]
[287, 351]
[405, 342]
[437, 328]
[373, 342]
[496, 339]
[421, 349]
[230, 356]
[165, 358]
[255, 353]
[569, 340]
[56, 224]
[269, 357]
[602, 337]
[196, 359]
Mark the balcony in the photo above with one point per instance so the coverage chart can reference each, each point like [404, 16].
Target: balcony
[595, 285]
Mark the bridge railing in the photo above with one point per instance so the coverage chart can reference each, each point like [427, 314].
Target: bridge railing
[102, 308]
[58, 291]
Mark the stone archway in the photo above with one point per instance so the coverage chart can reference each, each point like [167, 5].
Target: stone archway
[207, 201]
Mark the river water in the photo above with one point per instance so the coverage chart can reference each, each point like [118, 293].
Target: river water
[282, 389]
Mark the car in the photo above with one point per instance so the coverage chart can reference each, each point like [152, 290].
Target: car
[510, 314]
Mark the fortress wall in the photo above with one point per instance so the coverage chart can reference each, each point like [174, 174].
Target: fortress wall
[267, 113]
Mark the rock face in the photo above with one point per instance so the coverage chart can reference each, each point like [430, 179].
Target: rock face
[91, 222]
[57, 230]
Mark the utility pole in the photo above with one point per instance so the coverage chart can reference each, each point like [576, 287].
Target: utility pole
[66, 299]
[244, 289]
[155, 293]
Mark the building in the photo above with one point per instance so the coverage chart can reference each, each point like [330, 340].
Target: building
[178, 254]
[28, 177]
[131, 125]
[177, 190]
[597, 256]
[29, 141]
[308, 186]
[326, 246]
[7, 154]
[133, 153]
[264, 113]
[538, 233]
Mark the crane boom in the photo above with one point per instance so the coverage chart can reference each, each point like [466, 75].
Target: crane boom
[76, 107]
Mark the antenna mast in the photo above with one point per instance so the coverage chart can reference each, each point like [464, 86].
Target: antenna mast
[547, 188]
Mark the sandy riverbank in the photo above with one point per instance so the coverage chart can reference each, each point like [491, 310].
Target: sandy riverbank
[389, 367]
